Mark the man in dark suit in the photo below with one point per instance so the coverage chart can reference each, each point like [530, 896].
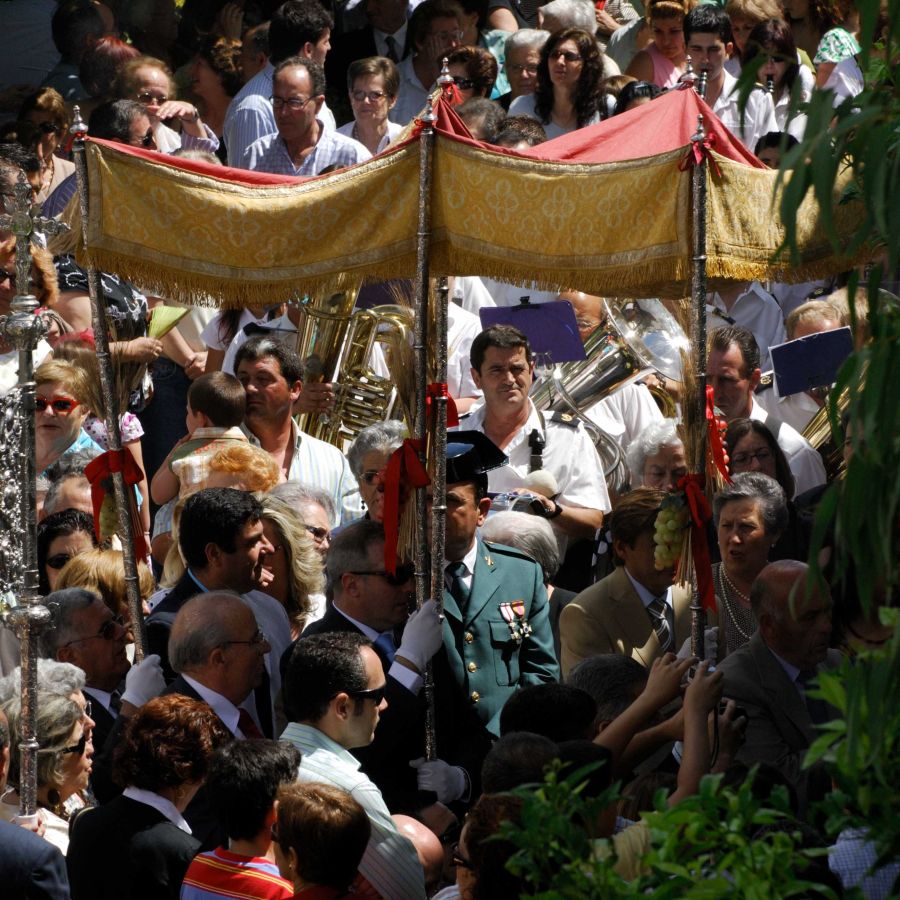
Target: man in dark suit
[370, 601]
[770, 675]
[217, 650]
[86, 634]
[221, 539]
[30, 867]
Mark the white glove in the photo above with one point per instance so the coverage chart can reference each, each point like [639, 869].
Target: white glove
[144, 681]
[422, 636]
[448, 782]
[710, 645]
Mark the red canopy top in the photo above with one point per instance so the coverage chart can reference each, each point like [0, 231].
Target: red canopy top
[663, 125]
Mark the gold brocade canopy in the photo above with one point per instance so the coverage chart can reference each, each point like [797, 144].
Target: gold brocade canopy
[208, 235]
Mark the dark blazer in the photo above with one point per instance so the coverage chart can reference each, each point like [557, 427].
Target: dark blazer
[30, 867]
[205, 824]
[127, 851]
[159, 622]
[779, 730]
[400, 737]
[103, 721]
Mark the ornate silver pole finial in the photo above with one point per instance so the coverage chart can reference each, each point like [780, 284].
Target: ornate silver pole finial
[689, 77]
[445, 79]
[79, 126]
[700, 133]
[701, 83]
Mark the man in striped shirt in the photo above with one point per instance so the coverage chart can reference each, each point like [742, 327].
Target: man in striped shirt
[333, 695]
[243, 780]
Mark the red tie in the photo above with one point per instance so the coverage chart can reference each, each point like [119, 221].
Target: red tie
[249, 728]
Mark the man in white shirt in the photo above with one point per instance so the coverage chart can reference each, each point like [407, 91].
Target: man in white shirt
[707, 38]
[733, 373]
[749, 305]
[334, 695]
[297, 28]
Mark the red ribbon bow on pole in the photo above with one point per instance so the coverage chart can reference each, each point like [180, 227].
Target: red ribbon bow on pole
[692, 485]
[697, 152]
[404, 470]
[435, 390]
[714, 438]
[98, 471]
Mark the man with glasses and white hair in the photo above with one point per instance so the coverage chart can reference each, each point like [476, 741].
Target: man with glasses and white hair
[523, 54]
[302, 146]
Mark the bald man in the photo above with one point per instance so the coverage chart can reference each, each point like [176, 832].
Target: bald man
[770, 675]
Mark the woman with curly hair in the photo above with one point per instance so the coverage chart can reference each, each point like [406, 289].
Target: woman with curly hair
[139, 845]
[474, 72]
[215, 78]
[568, 94]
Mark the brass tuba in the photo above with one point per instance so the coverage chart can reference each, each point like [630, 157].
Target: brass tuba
[337, 345]
[637, 338]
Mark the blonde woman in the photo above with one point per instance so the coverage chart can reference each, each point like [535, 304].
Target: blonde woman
[295, 565]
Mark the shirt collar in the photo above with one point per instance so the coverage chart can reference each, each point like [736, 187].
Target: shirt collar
[198, 582]
[370, 633]
[468, 560]
[646, 596]
[790, 670]
[160, 804]
[221, 706]
[102, 697]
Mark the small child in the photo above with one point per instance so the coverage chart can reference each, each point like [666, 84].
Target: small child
[216, 404]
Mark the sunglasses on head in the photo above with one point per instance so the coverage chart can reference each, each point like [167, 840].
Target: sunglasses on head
[401, 576]
[376, 695]
[59, 403]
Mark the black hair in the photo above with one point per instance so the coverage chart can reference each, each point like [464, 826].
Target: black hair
[321, 667]
[707, 19]
[559, 712]
[722, 339]
[491, 114]
[313, 69]
[244, 777]
[75, 25]
[506, 337]
[635, 90]
[611, 679]
[111, 121]
[214, 516]
[262, 346]
[294, 24]
[518, 758]
[19, 155]
[577, 755]
[775, 140]
[60, 524]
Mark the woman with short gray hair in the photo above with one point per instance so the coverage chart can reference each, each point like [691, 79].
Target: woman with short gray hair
[656, 457]
[750, 515]
[368, 458]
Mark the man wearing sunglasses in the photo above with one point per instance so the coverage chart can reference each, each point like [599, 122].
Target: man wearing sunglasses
[334, 695]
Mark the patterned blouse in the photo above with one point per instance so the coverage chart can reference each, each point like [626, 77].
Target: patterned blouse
[836, 45]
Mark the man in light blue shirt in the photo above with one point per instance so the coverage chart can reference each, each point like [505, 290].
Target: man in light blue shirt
[334, 695]
[298, 28]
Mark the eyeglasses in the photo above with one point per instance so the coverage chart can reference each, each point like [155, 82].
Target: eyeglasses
[741, 459]
[49, 127]
[465, 83]
[371, 96]
[403, 574]
[258, 638]
[107, 630]
[320, 534]
[448, 35]
[88, 709]
[79, 748]
[295, 104]
[458, 859]
[519, 69]
[376, 695]
[368, 477]
[150, 97]
[567, 55]
[60, 404]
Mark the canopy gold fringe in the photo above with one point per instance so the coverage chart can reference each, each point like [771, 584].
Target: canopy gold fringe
[614, 229]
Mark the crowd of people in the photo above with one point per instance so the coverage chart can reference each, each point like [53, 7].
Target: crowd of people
[275, 740]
